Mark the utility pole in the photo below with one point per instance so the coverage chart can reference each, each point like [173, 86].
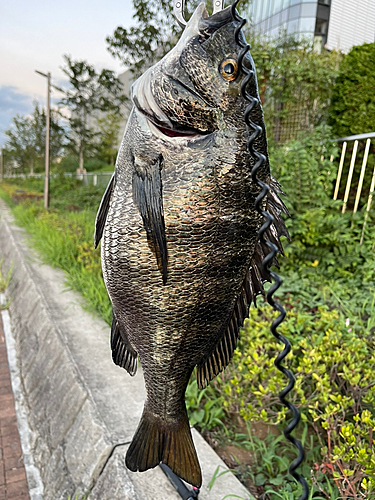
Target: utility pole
[46, 178]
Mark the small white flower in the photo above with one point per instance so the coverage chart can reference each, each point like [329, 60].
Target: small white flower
[347, 322]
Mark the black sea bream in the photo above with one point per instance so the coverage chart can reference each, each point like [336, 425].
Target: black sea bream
[179, 229]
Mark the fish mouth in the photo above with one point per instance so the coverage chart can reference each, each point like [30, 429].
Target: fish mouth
[147, 105]
[171, 132]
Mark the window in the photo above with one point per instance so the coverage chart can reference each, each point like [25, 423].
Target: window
[275, 20]
[307, 24]
[308, 10]
[294, 12]
[278, 5]
[284, 15]
[265, 9]
[293, 26]
[257, 11]
[321, 27]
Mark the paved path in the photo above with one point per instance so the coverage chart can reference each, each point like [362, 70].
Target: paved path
[13, 484]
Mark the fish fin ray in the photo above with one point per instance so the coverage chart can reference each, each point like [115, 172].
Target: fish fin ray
[101, 216]
[148, 197]
[123, 353]
[157, 442]
[220, 357]
[252, 286]
[275, 206]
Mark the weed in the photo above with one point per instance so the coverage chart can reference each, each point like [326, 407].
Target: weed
[4, 279]
[329, 293]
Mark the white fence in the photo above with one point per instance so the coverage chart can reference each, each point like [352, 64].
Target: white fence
[365, 168]
[96, 179]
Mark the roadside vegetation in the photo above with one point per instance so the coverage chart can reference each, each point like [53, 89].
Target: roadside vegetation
[328, 289]
[329, 294]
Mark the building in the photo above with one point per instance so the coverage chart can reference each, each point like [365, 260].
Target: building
[332, 24]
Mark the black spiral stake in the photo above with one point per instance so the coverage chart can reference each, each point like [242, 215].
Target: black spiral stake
[267, 262]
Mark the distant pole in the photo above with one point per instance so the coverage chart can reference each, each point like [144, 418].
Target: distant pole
[46, 178]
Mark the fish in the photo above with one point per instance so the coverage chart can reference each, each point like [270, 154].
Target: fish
[178, 228]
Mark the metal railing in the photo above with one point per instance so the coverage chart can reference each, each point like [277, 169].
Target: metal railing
[96, 179]
[349, 181]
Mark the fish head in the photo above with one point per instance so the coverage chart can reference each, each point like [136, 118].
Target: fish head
[196, 88]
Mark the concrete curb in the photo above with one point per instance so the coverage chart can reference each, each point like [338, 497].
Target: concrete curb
[32, 473]
[76, 409]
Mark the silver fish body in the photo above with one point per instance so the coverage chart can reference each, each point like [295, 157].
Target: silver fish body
[180, 256]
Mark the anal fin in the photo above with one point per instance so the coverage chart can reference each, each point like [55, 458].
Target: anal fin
[123, 353]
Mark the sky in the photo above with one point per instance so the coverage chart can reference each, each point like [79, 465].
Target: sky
[35, 34]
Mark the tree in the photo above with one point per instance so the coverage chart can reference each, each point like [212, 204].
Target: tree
[109, 126]
[20, 143]
[352, 109]
[89, 94]
[27, 138]
[295, 83]
[154, 34]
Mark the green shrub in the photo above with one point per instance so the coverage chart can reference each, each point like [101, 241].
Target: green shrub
[68, 164]
[352, 109]
[93, 164]
[333, 363]
[329, 293]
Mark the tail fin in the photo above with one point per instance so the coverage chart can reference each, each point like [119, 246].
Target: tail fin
[157, 441]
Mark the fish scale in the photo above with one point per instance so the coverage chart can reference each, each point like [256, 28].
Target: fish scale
[178, 224]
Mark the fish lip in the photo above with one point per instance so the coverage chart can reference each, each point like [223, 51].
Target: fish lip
[174, 133]
[159, 132]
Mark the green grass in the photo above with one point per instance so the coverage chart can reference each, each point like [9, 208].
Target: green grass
[329, 280]
[65, 240]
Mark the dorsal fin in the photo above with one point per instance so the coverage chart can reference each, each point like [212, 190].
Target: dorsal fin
[252, 286]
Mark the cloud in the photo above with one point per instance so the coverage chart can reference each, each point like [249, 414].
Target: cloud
[12, 102]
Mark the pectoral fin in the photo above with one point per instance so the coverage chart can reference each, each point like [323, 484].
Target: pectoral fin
[101, 216]
[148, 197]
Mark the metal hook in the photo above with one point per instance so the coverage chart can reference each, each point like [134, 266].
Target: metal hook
[218, 5]
[179, 10]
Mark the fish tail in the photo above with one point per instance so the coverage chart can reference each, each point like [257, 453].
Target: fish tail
[157, 441]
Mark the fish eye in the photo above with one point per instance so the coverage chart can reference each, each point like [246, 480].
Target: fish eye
[228, 69]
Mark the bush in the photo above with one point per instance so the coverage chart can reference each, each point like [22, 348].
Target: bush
[329, 293]
[68, 164]
[352, 109]
[93, 164]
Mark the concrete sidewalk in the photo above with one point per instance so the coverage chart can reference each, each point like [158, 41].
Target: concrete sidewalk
[81, 409]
